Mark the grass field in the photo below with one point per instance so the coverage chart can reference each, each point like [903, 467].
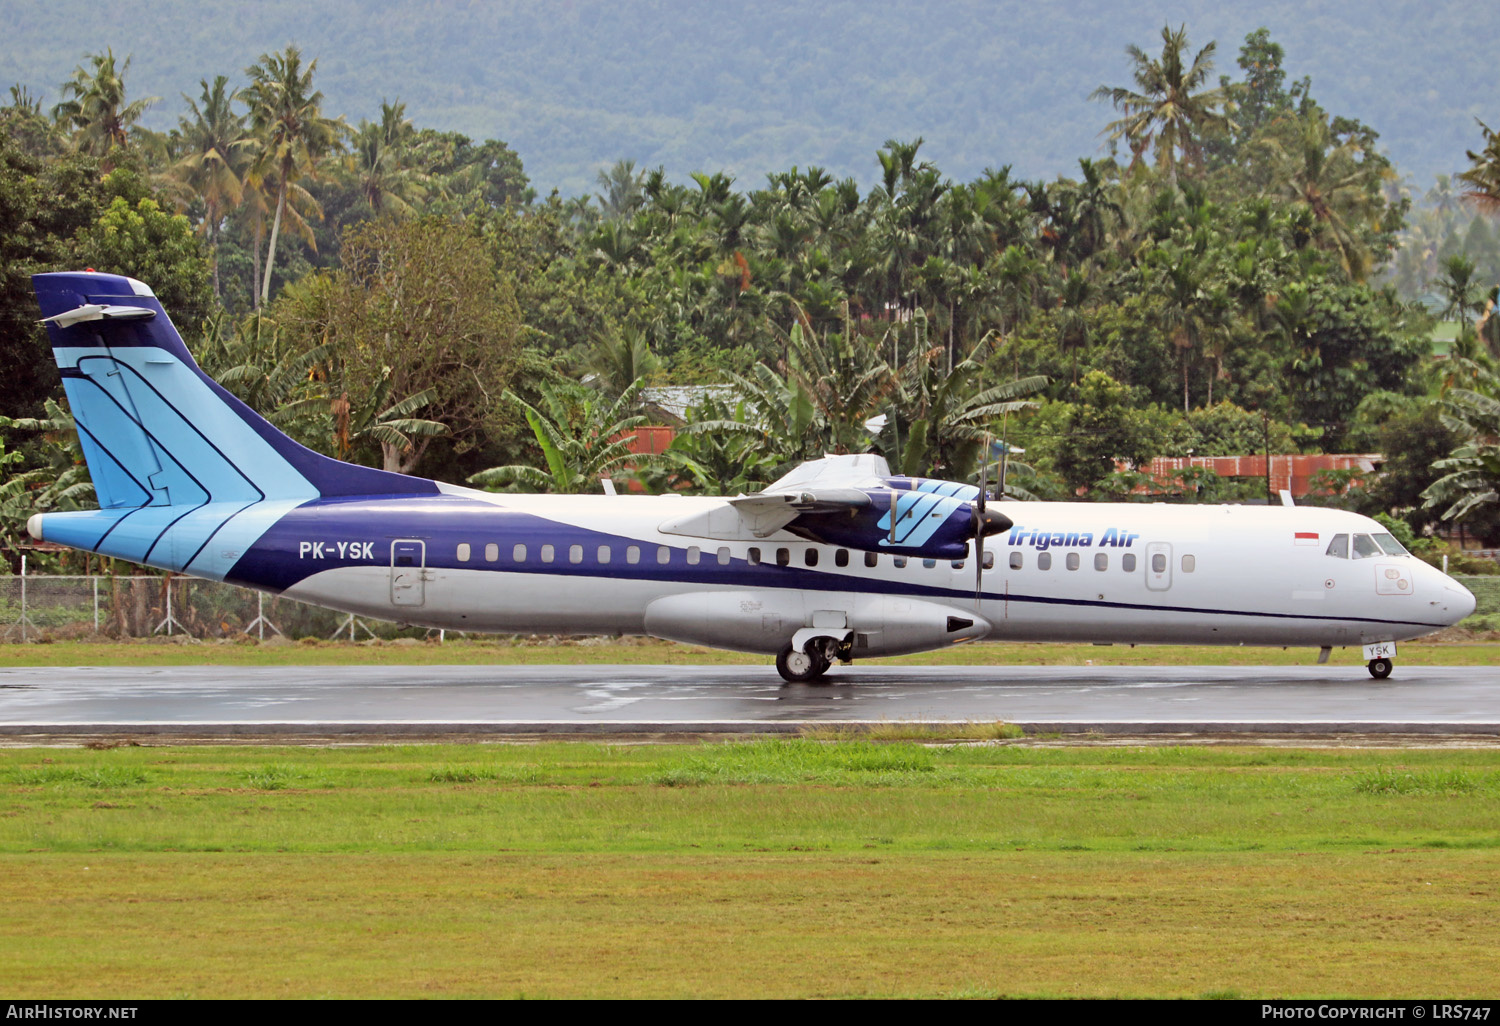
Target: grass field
[771, 868]
[639, 651]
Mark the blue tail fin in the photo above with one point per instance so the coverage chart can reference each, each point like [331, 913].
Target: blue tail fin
[153, 421]
[173, 456]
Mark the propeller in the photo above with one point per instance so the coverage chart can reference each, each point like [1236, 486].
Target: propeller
[986, 522]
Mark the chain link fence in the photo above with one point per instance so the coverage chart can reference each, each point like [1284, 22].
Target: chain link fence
[61, 608]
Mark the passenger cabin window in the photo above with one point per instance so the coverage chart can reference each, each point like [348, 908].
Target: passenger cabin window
[518, 553]
[491, 552]
[694, 554]
[575, 553]
[841, 557]
[1127, 562]
[1072, 561]
[928, 564]
[547, 552]
[783, 557]
[753, 556]
[723, 555]
[1189, 564]
[1159, 563]
[663, 554]
[1017, 560]
[1101, 561]
[632, 554]
[1365, 547]
[463, 552]
[604, 553]
[1044, 561]
[958, 564]
[898, 562]
[1339, 547]
[810, 557]
[989, 561]
[872, 559]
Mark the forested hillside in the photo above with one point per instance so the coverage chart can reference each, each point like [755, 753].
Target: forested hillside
[759, 87]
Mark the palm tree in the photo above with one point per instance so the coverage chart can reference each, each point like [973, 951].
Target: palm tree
[583, 436]
[1194, 310]
[1338, 182]
[1473, 478]
[213, 142]
[844, 380]
[1017, 272]
[624, 190]
[721, 462]
[292, 131]
[255, 361]
[403, 439]
[620, 359]
[1091, 209]
[94, 105]
[381, 175]
[948, 419]
[1482, 181]
[1457, 286]
[58, 481]
[1072, 316]
[1169, 106]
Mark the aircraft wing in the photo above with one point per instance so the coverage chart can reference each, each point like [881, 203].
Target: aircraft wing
[767, 513]
[764, 513]
[844, 501]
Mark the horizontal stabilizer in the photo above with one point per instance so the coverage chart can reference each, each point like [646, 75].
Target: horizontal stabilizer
[98, 312]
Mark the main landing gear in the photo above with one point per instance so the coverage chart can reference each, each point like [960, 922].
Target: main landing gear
[1380, 669]
[798, 666]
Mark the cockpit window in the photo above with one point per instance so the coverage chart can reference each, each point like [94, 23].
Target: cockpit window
[1391, 546]
[1365, 547]
[1339, 547]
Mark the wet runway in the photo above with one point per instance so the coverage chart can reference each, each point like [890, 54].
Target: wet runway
[231, 701]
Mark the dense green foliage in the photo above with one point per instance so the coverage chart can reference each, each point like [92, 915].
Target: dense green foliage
[401, 296]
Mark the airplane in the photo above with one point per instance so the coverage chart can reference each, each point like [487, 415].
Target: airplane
[836, 561]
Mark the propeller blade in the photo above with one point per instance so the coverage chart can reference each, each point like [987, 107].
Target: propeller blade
[978, 567]
[984, 475]
[979, 521]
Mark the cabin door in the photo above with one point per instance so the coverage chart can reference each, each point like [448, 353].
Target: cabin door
[1159, 566]
[408, 580]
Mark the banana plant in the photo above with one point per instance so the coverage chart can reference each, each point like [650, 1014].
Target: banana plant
[583, 436]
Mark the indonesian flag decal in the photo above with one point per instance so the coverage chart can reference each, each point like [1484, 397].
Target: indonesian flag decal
[1307, 537]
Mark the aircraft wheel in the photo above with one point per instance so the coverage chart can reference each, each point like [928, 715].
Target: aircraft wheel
[1380, 669]
[799, 667]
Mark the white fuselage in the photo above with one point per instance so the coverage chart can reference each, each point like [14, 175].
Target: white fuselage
[1124, 573]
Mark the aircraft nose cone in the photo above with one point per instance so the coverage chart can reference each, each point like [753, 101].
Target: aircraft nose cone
[1460, 600]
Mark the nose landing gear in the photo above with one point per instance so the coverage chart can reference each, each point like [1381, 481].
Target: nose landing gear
[1381, 668]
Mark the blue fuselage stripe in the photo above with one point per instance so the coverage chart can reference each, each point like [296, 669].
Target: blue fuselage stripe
[278, 561]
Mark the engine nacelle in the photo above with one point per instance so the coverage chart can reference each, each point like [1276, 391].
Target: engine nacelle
[765, 620]
[934, 520]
